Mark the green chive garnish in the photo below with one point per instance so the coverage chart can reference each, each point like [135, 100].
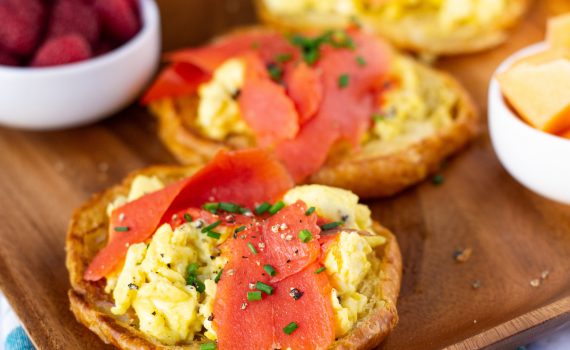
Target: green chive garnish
[229, 207]
[252, 248]
[211, 226]
[378, 117]
[121, 228]
[343, 81]
[331, 225]
[214, 235]
[310, 211]
[276, 207]
[208, 346]
[253, 296]
[360, 60]
[265, 288]
[187, 217]
[262, 208]
[438, 179]
[320, 269]
[192, 280]
[284, 57]
[211, 207]
[270, 270]
[239, 229]
[290, 328]
[276, 73]
[305, 236]
[218, 276]
[193, 268]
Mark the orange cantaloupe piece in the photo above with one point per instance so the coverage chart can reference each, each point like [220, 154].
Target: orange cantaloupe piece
[540, 93]
[558, 31]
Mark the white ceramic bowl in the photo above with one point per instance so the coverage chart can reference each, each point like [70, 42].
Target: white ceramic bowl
[539, 161]
[80, 93]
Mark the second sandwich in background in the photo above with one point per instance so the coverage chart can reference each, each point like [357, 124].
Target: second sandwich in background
[339, 108]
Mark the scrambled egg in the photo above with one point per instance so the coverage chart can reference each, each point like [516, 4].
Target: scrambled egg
[152, 281]
[347, 261]
[333, 203]
[417, 107]
[292, 7]
[218, 110]
[448, 14]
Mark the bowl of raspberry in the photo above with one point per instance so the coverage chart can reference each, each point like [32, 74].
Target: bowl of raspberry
[66, 63]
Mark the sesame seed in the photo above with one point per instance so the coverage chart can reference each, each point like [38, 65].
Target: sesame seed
[243, 306]
[275, 228]
[283, 226]
[230, 272]
[121, 216]
[251, 285]
[289, 237]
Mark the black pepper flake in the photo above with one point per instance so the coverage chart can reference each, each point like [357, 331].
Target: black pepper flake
[161, 255]
[296, 251]
[133, 286]
[154, 313]
[235, 94]
[295, 293]
[344, 217]
[211, 317]
[168, 265]
[235, 235]
[288, 261]
[244, 257]
[212, 257]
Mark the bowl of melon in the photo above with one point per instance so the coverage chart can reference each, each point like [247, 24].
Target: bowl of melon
[66, 63]
[529, 113]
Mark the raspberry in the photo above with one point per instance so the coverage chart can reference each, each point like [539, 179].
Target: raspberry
[61, 50]
[74, 16]
[8, 60]
[117, 18]
[21, 24]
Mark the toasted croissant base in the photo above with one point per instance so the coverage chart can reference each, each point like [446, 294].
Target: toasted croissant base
[373, 176]
[408, 33]
[87, 234]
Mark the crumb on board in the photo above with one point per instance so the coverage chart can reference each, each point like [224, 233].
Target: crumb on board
[536, 282]
[462, 255]
[476, 284]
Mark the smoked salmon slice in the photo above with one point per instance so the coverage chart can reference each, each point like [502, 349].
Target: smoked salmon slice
[228, 177]
[179, 79]
[302, 296]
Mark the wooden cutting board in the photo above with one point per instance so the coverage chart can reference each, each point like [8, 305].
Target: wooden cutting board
[515, 235]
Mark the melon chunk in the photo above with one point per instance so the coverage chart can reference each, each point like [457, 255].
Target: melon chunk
[540, 93]
[558, 31]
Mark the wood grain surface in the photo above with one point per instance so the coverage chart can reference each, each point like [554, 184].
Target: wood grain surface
[514, 234]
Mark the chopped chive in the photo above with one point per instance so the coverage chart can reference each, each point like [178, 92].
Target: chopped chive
[229, 207]
[361, 61]
[290, 328]
[310, 211]
[121, 228]
[320, 269]
[311, 56]
[270, 270]
[211, 226]
[343, 81]
[378, 117]
[283, 57]
[252, 248]
[276, 207]
[193, 268]
[214, 235]
[331, 225]
[265, 288]
[262, 208]
[187, 217]
[218, 276]
[275, 72]
[305, 236]
[253, 296]
[208, 346]
[192, 280]
[239, 229]
[438, 179]
[211, 207]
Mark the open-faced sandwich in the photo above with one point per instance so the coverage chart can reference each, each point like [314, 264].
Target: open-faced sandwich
[338, 108]
[231, 256]
[439, 27]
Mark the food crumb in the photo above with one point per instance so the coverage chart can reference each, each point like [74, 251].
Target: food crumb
[535, 282]
[476, 284]
[462, 255]
[544, 275]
